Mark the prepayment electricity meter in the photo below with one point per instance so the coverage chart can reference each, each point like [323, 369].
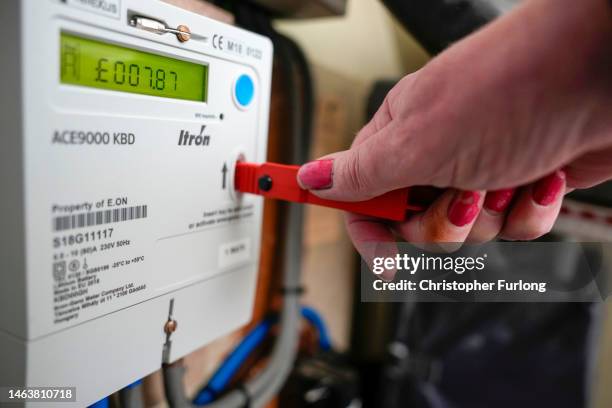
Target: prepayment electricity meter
[121, 122]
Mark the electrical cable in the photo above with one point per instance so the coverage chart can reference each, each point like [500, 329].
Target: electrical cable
[316, 320]
[103, 403]
[173, 385]
[303, 68]
[131, 396]
[219, 380]
[223, 375]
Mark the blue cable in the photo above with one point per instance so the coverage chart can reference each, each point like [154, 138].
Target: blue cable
[134, 384]
[234, 361]
[315, 319]
[103, 403]
[251, 341]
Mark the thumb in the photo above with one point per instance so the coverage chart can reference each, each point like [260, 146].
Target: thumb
[367, 170]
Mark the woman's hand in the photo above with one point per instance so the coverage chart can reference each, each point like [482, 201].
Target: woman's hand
[507, 119]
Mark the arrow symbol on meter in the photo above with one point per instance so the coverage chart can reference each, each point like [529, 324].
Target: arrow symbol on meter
[224, 175]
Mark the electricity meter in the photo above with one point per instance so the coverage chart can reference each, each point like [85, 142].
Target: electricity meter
[121, 123]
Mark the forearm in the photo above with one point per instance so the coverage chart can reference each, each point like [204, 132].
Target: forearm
[553, 39]
[555, 54]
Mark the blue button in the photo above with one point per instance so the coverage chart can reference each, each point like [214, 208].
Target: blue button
[244, 90]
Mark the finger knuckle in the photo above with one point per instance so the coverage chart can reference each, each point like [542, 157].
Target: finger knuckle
[481, 237]
[356, 180]
[531, 230]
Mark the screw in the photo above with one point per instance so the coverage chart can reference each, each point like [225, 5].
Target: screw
[265, 183]
[185, 33]
[170, 326]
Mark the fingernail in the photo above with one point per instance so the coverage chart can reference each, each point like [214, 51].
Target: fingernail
[464, 208]
[316, 175]
[546, 190]
[498, 200]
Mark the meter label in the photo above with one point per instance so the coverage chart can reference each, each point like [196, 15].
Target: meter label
[109, 8]
[234, 253]
[88, 219]
[91, 254]
[88, 137]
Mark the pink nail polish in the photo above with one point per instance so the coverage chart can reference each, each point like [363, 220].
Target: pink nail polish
[546, 190]
[316, 175]
[464, 208]
[498, 200]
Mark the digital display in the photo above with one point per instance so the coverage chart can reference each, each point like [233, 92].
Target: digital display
[97, 64]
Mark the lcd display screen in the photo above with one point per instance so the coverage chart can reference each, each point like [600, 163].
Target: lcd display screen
[102, 65]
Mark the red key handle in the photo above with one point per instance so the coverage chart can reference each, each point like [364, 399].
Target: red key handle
[279, 181]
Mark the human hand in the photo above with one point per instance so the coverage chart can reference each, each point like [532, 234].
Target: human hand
[504, 119]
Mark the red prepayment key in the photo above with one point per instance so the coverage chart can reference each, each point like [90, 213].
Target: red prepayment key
[279, 181]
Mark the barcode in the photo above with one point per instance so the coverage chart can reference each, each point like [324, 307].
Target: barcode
[67, 222]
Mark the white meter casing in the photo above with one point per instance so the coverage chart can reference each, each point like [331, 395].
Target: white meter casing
[117, 208]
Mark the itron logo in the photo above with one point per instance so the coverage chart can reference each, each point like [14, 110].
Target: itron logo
[192, 139]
